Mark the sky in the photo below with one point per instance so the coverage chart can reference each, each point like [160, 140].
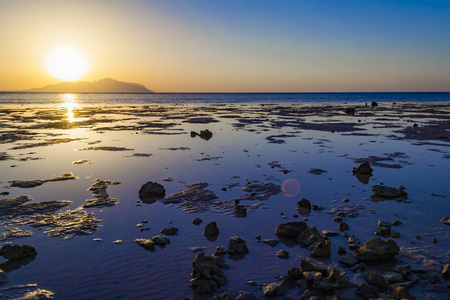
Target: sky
[234, 46]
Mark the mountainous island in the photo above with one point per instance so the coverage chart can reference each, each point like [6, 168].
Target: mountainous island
[106, 85]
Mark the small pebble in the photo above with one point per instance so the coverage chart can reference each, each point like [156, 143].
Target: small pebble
[117, 242]
[97, 239]
[258, 237]
[345, 200]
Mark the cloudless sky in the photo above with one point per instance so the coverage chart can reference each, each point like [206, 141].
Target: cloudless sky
[234, 46]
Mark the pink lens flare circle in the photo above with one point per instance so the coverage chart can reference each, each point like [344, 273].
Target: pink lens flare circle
[291, 188]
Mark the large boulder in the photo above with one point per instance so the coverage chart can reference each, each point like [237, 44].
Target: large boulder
[335, 280]
[377, 249]
[147, 244]
[151, 190]
[211, 230]
[309, 236]
[363, 168]
[16, 252]
[304, 204]
[320, 248]
[290, 229]
[237, 246]
[207, 275]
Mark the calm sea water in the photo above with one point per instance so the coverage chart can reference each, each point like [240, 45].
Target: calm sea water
[48, 98]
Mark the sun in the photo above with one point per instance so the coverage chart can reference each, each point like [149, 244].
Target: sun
[66, 63]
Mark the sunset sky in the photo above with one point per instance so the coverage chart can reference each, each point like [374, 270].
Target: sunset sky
[233, 46]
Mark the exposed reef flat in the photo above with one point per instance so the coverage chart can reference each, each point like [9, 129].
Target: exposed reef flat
[231, 201]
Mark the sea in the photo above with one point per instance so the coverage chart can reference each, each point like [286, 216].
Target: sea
[216, 98]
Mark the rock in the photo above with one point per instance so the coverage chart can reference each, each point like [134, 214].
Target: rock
[367, 291]
[343, 227]
[374, 104]
[388, 192]
[196, 249]
[329, 233]
[270, 242]
[151, 190]
[283, 253]
[405, 270]
[311, 264]
[395, 235]
[220, 251]
[377, 280]
[204, 134]
[320, 248]
[258, 237]
[207, 276]
[377, 249]
[315, 171]
[278, 287]
[304, 204]
[3, 277]
[335, 280]
[342, 251]
[309, 236]
[290, 229]
[348, 260]
[228, 294]
[203, 285]
[400, 292]
[147, 244]
[169, 231]
[211, 229]
[384, 228]
[352, 243]
[350, 110]
[117, 242]
[197, 221]
[445, 221]
[160, 240]
[393, 277]
[246, 296]
[396, 223]
[446, 271]
[237, 246]
[17, 252]
[240, 211]
[363, 168]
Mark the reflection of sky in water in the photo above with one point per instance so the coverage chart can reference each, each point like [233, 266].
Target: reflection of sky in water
[133, 267]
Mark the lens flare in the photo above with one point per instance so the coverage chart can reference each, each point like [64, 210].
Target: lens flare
[291, 188]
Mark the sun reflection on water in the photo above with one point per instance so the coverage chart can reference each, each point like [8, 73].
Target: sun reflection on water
[70, 102]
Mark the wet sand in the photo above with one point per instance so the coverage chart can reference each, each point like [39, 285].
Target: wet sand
[71, 177]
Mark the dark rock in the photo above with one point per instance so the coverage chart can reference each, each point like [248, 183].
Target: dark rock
[337, 219]
[205, 134]
[393, 277]
[377, 249]
[258, 237]
[147, 244]
[374, 104]
[315, 171]
[211, 229]
[405, 270]
[348, 260]
[169, 231]
[283, 253]
[367, 291]
[3, 277]
[304, 204]
[335, 280]
[151, 190]
[363, 168]
[400, 292]
[237, 246]
[446, 271]
[240, 211]
[160, 240]
[270, 242]
[197, 221]
[220, 251]
[352, 243]
[395, 235]
[396, 223]
[329, 233]
[246, 296]
[384, 229]
[350, 110]
[16, 252]
[311, 264]
[445, 221]
[320, 248]
[278, 287]
[228, 294]
[309, 236]
[290, 229]
[342, 251]
[388, 192]
[343, 227]
[377, 280]
[207, 276]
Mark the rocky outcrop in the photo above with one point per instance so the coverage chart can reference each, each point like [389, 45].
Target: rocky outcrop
[237, 246]
[388, 192]
[311, 264]
[204, 134]
[147, 244]
[335, 280]
[169, 231]
[290, 229]
[151, 190]
[207, 276]
[363, 168]
[377, 249]
[309, 236]
[320, 248]
[16, 252]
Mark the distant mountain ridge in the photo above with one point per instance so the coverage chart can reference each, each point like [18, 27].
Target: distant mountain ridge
[106, 85]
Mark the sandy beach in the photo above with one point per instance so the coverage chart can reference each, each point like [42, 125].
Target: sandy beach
[223, 212]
